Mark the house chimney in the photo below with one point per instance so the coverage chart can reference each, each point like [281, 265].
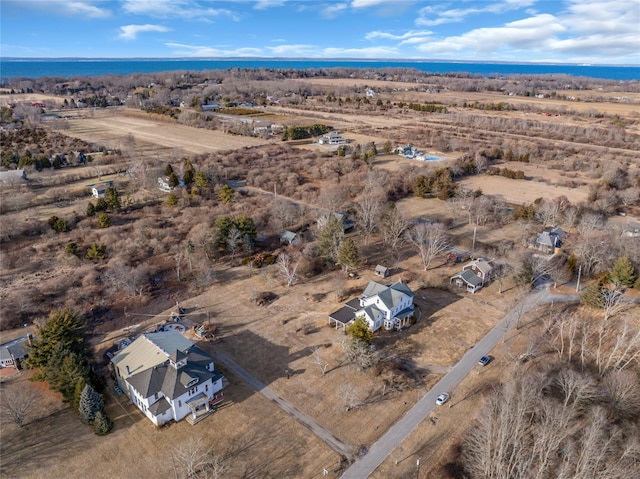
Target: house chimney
[128, 370]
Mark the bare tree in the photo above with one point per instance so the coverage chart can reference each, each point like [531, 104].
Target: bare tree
[623, 393]
[368, 207]
[612, 302]
[548, 213]
[17, 402]
[393, 227]
[288, 271]
[132, 280]
[234, 241]
[332, 197]
[192, 459]
[430, 239]
[349, 394]
[319, 361]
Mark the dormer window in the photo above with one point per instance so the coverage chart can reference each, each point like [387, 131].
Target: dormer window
[192, 383]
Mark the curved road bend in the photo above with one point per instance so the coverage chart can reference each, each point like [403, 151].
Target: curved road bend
[343, 448]
[378, 452]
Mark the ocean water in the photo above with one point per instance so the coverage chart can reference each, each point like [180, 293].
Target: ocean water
[28, 68]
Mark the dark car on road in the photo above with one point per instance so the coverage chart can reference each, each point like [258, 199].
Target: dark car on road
[484, 360]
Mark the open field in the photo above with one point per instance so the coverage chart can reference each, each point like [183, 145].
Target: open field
[168, 244]
[105, 126]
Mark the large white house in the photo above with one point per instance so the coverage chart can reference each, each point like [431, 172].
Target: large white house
[168, 377]
[390, 307]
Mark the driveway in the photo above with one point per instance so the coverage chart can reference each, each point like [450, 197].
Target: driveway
[343, 448]
[411, 420]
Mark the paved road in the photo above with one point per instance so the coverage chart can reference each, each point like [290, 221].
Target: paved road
[341, 447]
[399, 431]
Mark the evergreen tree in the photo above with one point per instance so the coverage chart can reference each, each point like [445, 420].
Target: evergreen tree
[62, 330]
[168, 170]
[348, 255]
[593, 295]
[359, 330]
[172, 200]
[71, 248]
[173, 180]
[622, 273]
[102, 424]
[97, 251]
[90, 404]
[201, 180]
[226, 194]
[112, 198]
[330, 238]
[104, 221]
[77, 393]
[189, 174]
[91, 209]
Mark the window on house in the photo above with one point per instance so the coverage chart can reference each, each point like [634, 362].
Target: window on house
[179, 403]
[206, 388]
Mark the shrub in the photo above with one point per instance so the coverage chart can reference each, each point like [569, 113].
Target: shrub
[104, 221]
[172, 200]
[58, 224]
[97, 251]
[71, 248]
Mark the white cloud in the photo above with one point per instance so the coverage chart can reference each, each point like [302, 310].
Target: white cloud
[293, 50]
[264, 4]
[404, 36]
[367, 3]
[369, 52]
[438, 15]
[184, 50]
[332, 11]
[189, 9]
[130, 32]
[76, 8]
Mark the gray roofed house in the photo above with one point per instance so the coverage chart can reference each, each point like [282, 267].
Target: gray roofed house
[467, 279]
[163, 373]
[548, 240]
[12, 353]
[289, 237]
[389, 306]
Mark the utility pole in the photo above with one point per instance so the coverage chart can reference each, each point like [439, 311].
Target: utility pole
[473, 246]
[578, 282]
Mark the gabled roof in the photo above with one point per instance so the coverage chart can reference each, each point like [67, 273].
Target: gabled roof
[14, 349]
[389, 295]
[482, 265]
[149, 350]
[468, 277]
[288, 236]
[177, 355]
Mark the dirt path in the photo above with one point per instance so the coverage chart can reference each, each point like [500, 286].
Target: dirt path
[339, 446]
[381, 449]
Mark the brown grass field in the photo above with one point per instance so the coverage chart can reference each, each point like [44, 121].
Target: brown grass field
[253, 435]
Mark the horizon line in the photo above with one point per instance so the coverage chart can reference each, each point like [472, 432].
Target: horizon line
[350, 59]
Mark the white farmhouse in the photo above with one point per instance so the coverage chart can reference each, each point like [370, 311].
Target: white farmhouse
[390, 307]
[168, 377]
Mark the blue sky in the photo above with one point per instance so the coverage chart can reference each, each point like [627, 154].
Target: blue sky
[575, 31]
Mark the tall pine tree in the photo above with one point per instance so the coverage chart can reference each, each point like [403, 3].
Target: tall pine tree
[90, 404]
[101, 423]
[348, 255]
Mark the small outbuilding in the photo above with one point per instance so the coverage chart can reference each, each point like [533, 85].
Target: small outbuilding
[382, 271]
[289, 237]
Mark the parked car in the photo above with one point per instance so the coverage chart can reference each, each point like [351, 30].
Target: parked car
[443, 398]
[484, 360]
